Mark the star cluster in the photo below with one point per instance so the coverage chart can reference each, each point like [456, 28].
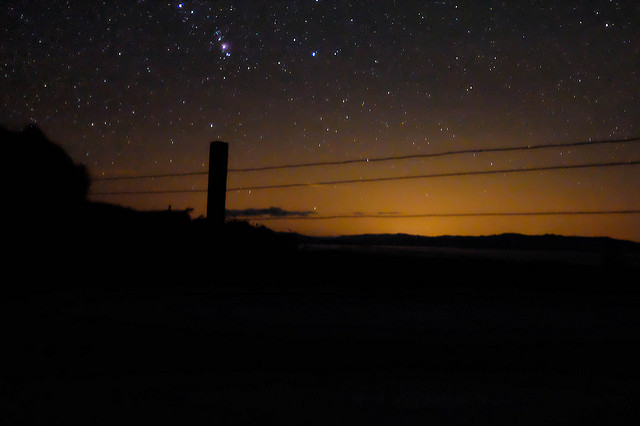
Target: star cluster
[142, 87]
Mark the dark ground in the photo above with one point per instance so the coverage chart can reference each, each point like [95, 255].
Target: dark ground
[264, 334]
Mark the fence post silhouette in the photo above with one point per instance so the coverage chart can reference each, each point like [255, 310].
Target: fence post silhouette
[217, 190]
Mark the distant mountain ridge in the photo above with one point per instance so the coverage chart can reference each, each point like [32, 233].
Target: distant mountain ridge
[507, 241]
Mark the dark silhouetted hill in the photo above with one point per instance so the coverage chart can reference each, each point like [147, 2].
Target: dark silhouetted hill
[39, 178]
[507, 241]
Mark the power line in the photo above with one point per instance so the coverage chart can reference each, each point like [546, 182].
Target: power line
[445, 215]
[438, 154]
[154, 176]
[379, 179]
[378, 159]
[435, 175]
[160, 191]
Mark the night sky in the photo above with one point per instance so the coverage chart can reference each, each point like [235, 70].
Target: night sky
[142, 87]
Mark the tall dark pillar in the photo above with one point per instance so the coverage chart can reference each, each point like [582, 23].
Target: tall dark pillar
[217, 190]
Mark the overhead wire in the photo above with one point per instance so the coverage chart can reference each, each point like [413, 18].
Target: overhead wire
[439, 154]
[378, 159]
[434, 175]
[443, 215]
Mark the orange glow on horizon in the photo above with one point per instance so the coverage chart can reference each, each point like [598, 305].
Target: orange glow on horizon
[383, 207]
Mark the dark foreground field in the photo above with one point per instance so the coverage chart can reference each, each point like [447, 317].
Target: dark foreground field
[323, 336]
